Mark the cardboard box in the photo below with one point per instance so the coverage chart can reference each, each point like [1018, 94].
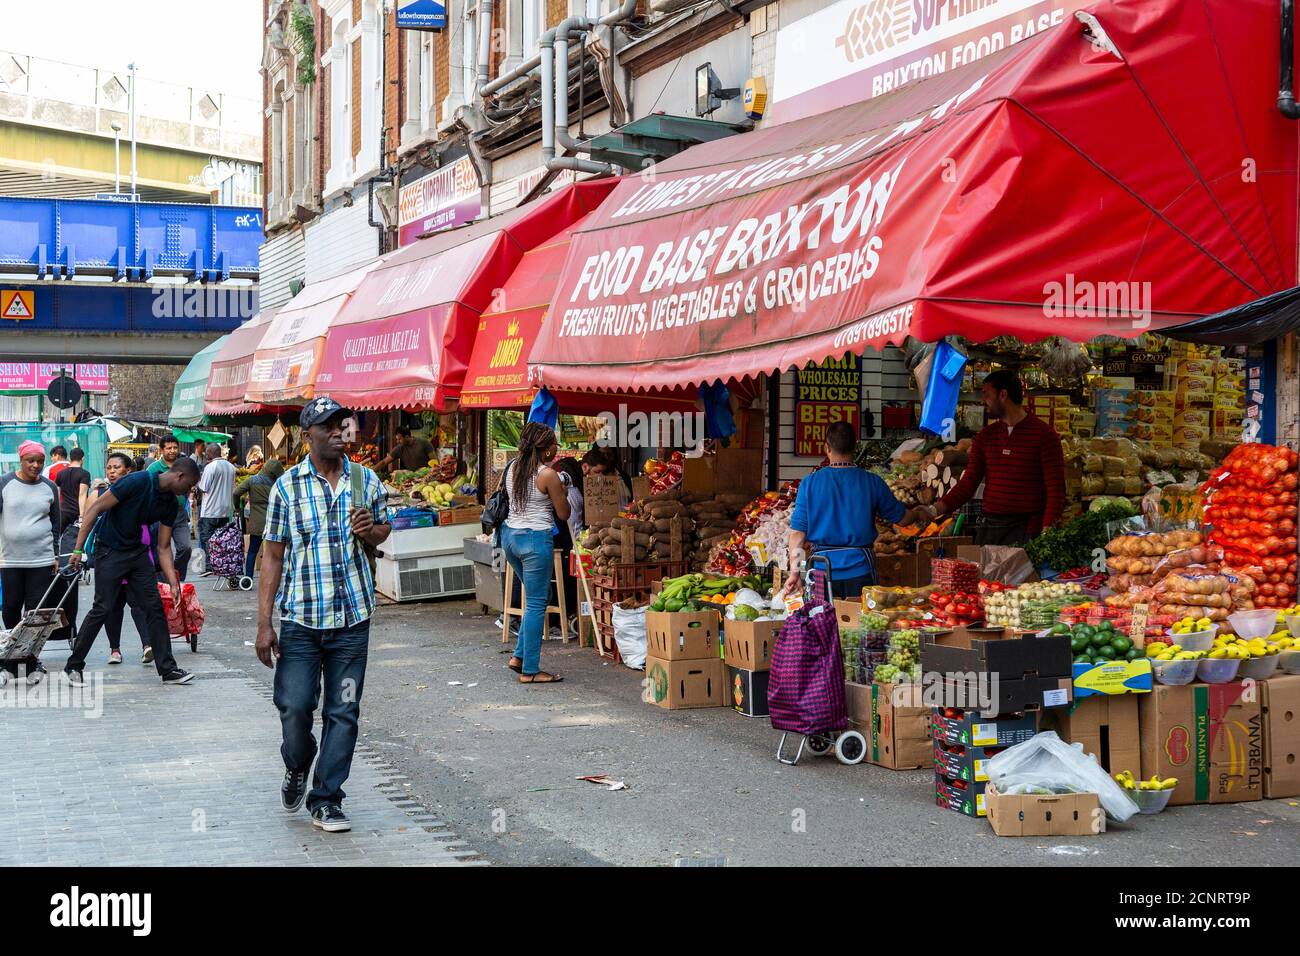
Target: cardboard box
[749, 644]
[946, 546]
[682, 636]
[963, 763]
[848, 613]
[1209, 736]
[682, 685]
[1069, 814]
[748, 691]
[901, 570]
[895, 722]
[962, 797]
[730, 471]
[1030, 694]
[600, 497]
[1009, 654]
[640, 487]
[1113, 677]
[1280, 705]
[971, 730]
[1107, 727]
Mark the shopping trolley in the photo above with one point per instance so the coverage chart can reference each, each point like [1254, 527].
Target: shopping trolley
[27, 638]
[811, 702]
[225, 549]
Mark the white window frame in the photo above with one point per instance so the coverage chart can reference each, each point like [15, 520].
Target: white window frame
[532, 22]
[340, 63]
[372, 78]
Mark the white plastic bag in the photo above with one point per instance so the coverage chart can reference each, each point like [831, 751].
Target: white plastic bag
[198, 563]
[1046, 762]
[629, 635]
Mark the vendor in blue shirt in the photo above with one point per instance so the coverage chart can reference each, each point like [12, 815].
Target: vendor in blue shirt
[835, 515]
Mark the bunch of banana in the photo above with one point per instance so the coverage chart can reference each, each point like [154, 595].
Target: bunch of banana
[1126, 780]
[1172, 652]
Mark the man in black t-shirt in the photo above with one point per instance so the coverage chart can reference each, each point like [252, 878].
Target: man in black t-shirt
[73, 482]
[137, 499]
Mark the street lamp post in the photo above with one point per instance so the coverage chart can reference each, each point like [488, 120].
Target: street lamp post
[131, 67]
[117, 156]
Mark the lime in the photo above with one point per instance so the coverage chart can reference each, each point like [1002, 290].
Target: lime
[1083, 659]
[1079, 644]
[1132, 654]
[1105, 651]
[1102, 639]
[1122, 644]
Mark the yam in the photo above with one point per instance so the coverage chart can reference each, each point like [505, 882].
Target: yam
[633, 523]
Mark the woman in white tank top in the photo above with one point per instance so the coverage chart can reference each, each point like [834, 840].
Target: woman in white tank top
[537, 500]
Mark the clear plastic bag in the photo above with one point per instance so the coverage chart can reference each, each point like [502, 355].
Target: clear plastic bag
[1045, 761]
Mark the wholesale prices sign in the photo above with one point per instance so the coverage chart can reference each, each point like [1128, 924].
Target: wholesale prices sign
[444, 199]
[824, 395]
[36, 376]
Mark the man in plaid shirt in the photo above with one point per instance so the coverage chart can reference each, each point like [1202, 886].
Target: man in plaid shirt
[320, 514]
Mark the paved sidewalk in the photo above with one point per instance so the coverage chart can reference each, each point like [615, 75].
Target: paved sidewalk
[182, 776]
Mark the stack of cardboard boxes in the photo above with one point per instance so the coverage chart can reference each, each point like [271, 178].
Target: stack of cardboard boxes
[1056, 410]
[684, 667]
[748, 646]
[1014, 675]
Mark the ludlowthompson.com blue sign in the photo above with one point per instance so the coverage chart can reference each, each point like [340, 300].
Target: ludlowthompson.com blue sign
[421, 15]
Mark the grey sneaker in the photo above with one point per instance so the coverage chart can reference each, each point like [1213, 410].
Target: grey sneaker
[147, 656]
[330, 818]
[75, 678]
[294, 790]
[36, 674]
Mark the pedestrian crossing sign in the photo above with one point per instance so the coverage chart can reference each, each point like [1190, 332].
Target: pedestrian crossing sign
[17, 304]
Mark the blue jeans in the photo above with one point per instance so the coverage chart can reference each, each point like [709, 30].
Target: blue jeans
[307, 654]
[254, 545]
[529, 554]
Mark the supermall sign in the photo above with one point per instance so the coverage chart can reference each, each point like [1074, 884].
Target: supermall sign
[859, 49]
[444, 199]
[36, 376]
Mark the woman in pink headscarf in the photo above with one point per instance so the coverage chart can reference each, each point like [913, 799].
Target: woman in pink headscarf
[29, 543]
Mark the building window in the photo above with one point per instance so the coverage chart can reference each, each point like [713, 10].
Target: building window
[469, 53]
[371, 78]
[340, 106]
[534, 15]
[428, 84]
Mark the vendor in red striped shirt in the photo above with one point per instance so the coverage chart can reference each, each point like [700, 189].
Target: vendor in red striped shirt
[1018, 458]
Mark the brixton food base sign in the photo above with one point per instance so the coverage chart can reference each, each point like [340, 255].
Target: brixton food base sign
[823, 395]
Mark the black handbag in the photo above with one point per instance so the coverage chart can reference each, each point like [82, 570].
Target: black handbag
[497, 509]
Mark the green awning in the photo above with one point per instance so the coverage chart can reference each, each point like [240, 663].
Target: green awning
[193, 435]
[187, 396]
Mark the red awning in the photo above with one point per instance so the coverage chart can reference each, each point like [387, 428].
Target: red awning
[229, 376]
[498, 367]
[404, 338]
[1075, 184]
[285, 364]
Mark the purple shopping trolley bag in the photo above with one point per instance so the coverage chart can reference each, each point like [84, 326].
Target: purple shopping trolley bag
[805, 691]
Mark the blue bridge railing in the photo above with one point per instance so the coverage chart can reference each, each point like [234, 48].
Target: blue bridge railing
[131, 241]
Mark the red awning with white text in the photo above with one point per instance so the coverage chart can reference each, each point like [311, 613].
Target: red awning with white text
[1124, 171]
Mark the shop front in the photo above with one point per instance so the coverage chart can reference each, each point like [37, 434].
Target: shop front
[983, 221]
[402, 342]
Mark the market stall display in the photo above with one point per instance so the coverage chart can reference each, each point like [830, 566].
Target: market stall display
[1251, 509]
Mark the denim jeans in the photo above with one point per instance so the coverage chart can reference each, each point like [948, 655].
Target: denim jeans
[254, 545]
[208, 527]
[308, 655]
[529, 554]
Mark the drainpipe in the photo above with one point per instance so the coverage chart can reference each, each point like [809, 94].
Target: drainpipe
[1286, 103]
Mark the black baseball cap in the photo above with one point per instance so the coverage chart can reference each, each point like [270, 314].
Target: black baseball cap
[321, 410]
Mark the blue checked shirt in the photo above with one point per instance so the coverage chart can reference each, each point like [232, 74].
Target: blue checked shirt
[327, 582]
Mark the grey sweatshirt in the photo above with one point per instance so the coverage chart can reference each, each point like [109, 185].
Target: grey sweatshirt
[29, 522]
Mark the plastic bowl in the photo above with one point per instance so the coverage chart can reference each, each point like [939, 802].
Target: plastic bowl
[1251, 624]
[1175, 672]
[1151, 801]
[1195, 640]
[1293, 624]
[1258, 668]
[1215, 671]
[1289, 660]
